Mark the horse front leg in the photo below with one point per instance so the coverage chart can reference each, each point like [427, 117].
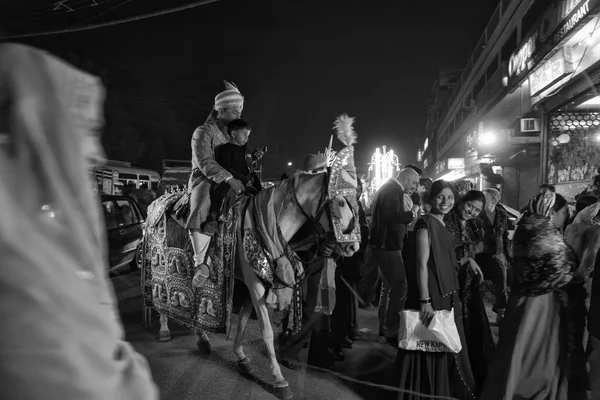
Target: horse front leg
[243, 360]
[164, 334]
[282, 388]
[202, 342]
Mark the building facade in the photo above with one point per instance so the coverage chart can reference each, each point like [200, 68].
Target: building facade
[526, 110]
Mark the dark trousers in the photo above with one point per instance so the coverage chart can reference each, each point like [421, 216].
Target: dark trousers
[370, 279]
[315, 326]
[343, 318]
[494, 268]
[394, 289]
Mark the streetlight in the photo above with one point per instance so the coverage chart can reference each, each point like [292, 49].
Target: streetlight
[290, 164]
[487, 138]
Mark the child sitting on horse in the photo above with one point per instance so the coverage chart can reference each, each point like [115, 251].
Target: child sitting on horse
[233, 156]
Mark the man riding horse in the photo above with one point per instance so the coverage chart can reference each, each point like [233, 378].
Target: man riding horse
[228, 106]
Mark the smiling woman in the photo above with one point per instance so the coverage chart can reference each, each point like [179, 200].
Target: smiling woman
[433, 286]
[462, 223]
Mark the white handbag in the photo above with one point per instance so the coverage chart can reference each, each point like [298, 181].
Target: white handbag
[441, 335]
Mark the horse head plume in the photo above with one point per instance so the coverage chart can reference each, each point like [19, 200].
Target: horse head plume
[342, 180]
[344, 127]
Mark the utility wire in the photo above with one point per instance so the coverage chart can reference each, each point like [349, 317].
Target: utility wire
[112, 23]
[27, 16]
[102, 13]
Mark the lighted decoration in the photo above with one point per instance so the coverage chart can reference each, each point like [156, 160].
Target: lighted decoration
[382, 164]
[560, 139]
[564, 138]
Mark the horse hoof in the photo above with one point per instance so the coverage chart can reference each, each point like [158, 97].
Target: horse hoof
[245, 366]
[283, 391]
[203, 346]
[164, 336]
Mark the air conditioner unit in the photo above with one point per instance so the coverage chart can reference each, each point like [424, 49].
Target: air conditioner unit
[468, 104]
[530, 124]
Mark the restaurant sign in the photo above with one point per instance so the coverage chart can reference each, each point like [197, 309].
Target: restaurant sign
[557, 22]
[456, 163]
[552, 70]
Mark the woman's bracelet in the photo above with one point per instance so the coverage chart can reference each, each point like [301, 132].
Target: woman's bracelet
[425, 301]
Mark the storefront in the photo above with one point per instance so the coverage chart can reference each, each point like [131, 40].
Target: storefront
[566, 87]
[557, 74]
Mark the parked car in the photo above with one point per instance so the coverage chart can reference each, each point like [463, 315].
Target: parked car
[125, 231]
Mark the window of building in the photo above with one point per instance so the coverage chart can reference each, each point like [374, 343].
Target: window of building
[492, 68]
[479, 85]
[532, 15]
[509, 46]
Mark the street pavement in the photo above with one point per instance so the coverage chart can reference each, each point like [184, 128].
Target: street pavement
[182, 373]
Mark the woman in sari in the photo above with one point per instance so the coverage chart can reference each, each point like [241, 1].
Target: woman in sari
[540, 351]
[61, 333]
[461, 222]
[434, 286]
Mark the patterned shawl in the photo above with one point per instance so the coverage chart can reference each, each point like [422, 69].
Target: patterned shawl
[542, 260]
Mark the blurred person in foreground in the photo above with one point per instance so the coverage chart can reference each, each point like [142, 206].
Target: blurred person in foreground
[61, 334]
[540, 349]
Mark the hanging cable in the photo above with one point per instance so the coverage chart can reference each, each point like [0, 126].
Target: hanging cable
[112, 23]
[103, 12]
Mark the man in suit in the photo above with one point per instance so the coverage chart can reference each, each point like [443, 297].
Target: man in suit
[393, 210]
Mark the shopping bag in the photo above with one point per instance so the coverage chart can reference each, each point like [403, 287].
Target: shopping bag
[441, 335]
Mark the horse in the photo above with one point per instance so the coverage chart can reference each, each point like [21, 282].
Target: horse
[308, 202]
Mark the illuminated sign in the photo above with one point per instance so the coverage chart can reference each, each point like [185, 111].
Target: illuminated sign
[557, 22]
[555, 14]
[551, 71]
[519, 61]
[456, 163]
[572, 20]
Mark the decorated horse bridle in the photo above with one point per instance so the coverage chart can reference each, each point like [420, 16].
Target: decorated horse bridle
[322, 207]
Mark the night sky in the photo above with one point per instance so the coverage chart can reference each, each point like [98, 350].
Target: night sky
[298, 63]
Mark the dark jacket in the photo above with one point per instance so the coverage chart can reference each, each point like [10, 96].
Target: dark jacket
[495, 239]
[236, 160]
[389, 220]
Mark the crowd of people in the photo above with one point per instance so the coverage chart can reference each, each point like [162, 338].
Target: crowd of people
[427, 246]
[434, 246]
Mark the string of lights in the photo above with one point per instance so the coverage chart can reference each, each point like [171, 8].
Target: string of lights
[111, 23]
